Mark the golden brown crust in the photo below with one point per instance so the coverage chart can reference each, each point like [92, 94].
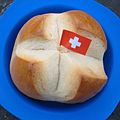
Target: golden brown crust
[23, 77]
[33, 28]
[89, 86]
[86, 22]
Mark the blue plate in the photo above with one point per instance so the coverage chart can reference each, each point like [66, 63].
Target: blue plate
[97, 108]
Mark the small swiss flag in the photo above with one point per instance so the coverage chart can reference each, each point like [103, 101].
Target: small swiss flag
[75, 42]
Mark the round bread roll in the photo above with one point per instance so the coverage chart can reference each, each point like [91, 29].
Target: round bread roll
[44, 70]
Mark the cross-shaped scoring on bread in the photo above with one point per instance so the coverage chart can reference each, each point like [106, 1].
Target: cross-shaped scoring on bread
[42, 69]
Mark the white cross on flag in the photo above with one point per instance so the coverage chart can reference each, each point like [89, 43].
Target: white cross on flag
[75, 42]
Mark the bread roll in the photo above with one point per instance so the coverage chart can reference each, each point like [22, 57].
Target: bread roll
[44, 70]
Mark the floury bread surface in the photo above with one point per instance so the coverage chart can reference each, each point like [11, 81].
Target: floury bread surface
[44, 70]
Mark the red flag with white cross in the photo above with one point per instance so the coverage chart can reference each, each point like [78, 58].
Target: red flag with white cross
[75, 42]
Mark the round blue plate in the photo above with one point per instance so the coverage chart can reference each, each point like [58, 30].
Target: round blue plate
[97, 108]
